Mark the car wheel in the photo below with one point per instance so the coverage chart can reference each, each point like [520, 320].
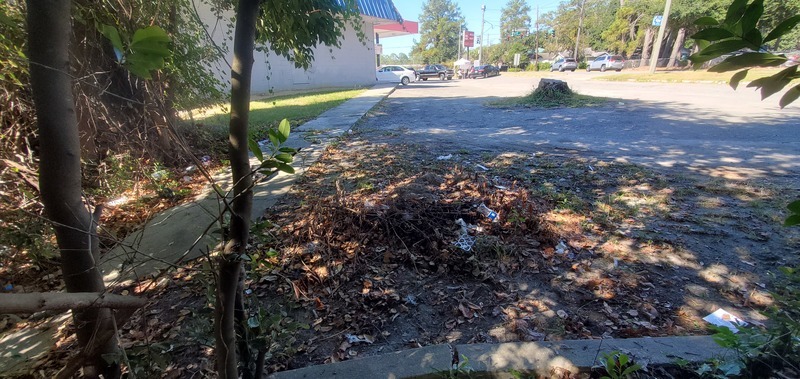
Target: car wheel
[561, 69]
[603, 68]
[573, 70]
[588, 69]
[424, 79]
[442, 77]
[619, 70]
[552, 69]
[405, 81]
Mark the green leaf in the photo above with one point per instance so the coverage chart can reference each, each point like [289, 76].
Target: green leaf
[285, 168]
[150, 34]
[706, 21]
[717, 49]
[255, 149]
[784, 27]
[748, 60]
[794, 206]
[789, 97]
[284, 129]
[752, 15]
[771, 85]
[138, 70]
[753, 36]
[724, 337]
[284, 157]
[737, 77]
[112, 34]
[148, 48]
[623, 359]
[270, 164]
[273, 137]
[630, 370]
[288, 150]
[735, 11]
[731, 368]
[713, 34]
[144, 62]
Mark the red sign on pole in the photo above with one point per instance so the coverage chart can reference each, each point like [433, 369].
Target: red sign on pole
[469, 39]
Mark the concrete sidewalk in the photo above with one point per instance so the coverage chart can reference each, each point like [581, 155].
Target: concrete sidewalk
[183, 232]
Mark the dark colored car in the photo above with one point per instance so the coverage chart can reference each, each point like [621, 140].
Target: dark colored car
[484, 71]
[435, 71]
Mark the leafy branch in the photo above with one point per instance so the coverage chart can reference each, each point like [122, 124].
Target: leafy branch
[738, 32]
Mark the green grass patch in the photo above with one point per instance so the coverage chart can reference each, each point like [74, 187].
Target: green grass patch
[688, 76]
[547, 98]
[267, 113]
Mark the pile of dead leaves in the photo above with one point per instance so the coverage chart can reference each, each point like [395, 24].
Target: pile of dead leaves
[379, 257]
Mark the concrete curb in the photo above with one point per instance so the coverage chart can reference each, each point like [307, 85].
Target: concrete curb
[497, 360]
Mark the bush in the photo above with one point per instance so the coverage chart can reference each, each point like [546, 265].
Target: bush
[543, 66]
[514, 69]
[583, 65]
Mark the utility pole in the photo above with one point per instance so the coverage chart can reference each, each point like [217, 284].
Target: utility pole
[460, 41]
[483, 18]
[537, 38]
[660, 38]
[580, 26]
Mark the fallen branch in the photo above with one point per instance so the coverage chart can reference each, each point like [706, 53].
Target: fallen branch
[45, 301]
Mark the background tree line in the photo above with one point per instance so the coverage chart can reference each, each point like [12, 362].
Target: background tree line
[615, 26]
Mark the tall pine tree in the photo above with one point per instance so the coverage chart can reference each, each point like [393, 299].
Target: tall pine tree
[440, 27]
[515, 15]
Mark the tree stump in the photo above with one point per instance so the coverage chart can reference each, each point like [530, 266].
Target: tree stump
[553, 86]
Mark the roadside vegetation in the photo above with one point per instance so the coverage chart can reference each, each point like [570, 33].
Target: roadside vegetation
[684, 76]
[550, 97]
[208, 126]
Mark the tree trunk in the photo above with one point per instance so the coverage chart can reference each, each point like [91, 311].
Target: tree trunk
[676, 47]
[60, 174]
[230, 264]
[648, 45]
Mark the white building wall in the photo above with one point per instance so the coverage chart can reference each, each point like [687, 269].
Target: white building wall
[351, 65]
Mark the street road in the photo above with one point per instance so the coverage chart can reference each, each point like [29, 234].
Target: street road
[706, 128]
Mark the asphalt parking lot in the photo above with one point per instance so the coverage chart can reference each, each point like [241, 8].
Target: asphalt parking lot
[708, 128]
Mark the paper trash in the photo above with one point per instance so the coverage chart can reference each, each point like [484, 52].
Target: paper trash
[721, 317]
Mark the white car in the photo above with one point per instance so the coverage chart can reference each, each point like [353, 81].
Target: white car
[396, 74]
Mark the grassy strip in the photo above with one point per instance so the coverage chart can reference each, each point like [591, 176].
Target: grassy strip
[266, 113]
[688, 76]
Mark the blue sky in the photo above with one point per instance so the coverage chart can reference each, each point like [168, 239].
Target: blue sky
[471, 9]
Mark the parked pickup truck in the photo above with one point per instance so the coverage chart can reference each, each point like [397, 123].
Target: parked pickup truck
[435, 71]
